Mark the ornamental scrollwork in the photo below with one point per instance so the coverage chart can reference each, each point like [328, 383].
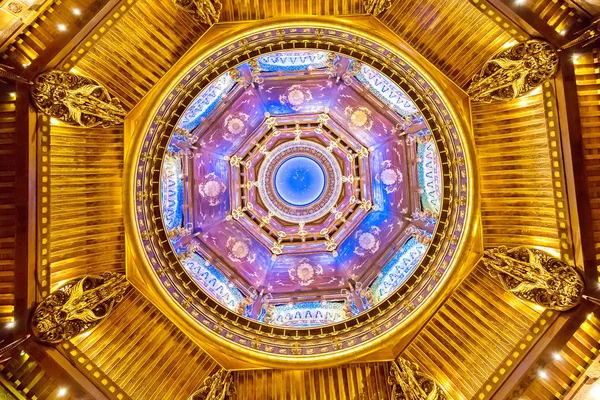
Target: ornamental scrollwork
[206, 11]
[218, 386]
[409, 383]
[376, 7]
[76, 100]
[514, 72]
[533, 275]
[77, 306]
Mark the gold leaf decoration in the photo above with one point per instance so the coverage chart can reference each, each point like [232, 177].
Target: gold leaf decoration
[76, 100]
[514, 72]
[535, 276]
[77, 306]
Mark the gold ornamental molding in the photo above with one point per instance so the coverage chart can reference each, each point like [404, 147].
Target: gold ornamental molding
[409, 383]
[535, 276]
[514, 72]
[376, 7]
[233, 340]
[76, 100]
[77, 306]
[206, 11]
[218, 386]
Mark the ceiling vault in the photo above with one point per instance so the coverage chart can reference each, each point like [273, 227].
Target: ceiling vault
[503, 330]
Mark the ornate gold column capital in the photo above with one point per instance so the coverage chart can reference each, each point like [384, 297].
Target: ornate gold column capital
[77, 306]
[535, 276]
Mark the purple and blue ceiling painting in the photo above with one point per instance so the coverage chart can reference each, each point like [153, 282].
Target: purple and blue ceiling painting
[302, 188]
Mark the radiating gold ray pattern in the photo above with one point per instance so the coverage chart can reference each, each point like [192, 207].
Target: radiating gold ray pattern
[468, 338]
[517, 205]
[131, 67]
[453, 35]
[587, 71]
[86, 225]
[145, 353]
[347, 382]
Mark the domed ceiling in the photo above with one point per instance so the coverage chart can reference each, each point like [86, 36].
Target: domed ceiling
[300, 193]
[301, 188]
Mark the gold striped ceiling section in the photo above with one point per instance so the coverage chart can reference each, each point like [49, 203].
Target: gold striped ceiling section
[472, 334]
[518, 204]
[144, 353]
[86, 216]
[553, 381]
[558, 14]
[347, 382]
[8, 132]
[587, 74]
[453, 34]
[243, 10]
[129, 54]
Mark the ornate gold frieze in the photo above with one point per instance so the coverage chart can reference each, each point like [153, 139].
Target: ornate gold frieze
[218, 386]
[206, 11]
[514, 72]
[76, 100]
[408, 383]
[376, 7]
[77, 306]
[535, 276]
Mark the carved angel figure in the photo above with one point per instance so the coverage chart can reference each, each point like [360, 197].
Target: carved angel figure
[218, 386]
[76, 100]
[77, 306]
[533, 275]
[514, 72]
[408, 383]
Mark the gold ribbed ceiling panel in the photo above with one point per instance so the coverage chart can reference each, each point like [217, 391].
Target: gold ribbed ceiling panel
[144, 353]
[453, 35]
[8, 160]
[139, 48]
[86, 225]
[346, 382]
[575, 357]
[556, 13]
[587, 71]
[517, 196]
[471, 334]
[243, 10]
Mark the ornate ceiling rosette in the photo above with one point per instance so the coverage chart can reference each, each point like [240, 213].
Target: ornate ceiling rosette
[358, 324]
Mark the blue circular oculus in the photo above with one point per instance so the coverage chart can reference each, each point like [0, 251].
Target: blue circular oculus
[299, 180]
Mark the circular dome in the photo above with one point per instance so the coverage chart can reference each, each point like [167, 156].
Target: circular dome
[299, 180]
[256, 254]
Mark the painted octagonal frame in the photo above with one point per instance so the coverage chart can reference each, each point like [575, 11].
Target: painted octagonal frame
[452, 245]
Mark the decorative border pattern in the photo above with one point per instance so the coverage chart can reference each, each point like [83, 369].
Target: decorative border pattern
[77, 53]
[516, 355]
[91, 370]
[509, 27]
[43, 204]
[366, 326]
[558, 182]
